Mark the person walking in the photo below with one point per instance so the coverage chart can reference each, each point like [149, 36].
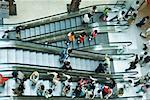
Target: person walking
[143, 21]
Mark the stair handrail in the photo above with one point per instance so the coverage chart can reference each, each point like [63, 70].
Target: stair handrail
[47, 45]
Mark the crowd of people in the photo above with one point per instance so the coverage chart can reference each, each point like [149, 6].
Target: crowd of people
[88, 87]
[80, 37]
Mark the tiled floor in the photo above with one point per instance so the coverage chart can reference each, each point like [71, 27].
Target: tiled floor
[132, 34]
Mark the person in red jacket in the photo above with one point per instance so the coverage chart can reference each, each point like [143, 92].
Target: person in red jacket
[93, 35]
[107, 92]
[2, 80]
[81, 38]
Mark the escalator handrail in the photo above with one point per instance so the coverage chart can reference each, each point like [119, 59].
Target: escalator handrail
[50, 68]
[22, 67]
[129, 43]
[32, 96]
[129, 72]
[63, 47]
[59, 14]
[60, 69]
[137, 96]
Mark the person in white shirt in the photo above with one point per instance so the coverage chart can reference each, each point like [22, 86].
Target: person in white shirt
[56, 78]
[89, 94]
[67, 84]
[40, 89]
[86, 19]
[145, 34]
[48, 93]
[34, 77]
[121, 16]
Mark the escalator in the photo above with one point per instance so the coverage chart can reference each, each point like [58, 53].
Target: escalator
[99, 45]
[17, 52]
[28, 57]
[34, 54]
[63, 25]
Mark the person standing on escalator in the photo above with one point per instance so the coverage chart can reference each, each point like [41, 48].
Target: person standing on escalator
[34, 77]
[56, 78]
[3, 80]
[67, 84]
[70, 38]
[92, 12]
[93, 35]
[18, 29]
[64, 55]
[86, 18]
[81, 38]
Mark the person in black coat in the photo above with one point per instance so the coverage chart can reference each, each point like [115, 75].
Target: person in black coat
[100, 68]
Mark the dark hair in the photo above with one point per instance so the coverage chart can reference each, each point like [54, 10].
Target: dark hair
[89, 15]
[106, 16]
[147, 86]
[70, 79]
[99, 91]
[67, 62]
[100, 64]
[6, 31]
[42, 87]
[109, 8]
[21, 87]
[83, 33]
[14, 74]
[111, 59]
[91, 95]
[70, 50]
[105, 64]
[58, 76]
[126, 16]
[123, 12]
[145, 53]
[147, 17]
[121, 88]
[137, 2]
[95, 31]
[134, 14]
[72, 33]
[50, 91]
[68, 87]
[94, 7]
[130, 81]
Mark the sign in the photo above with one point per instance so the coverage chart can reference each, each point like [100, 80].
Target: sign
[4, 9]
